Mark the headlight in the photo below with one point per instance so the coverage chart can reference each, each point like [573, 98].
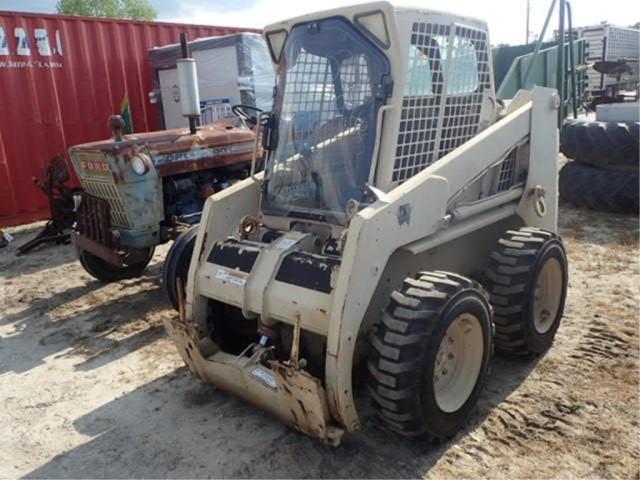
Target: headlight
[140, 164]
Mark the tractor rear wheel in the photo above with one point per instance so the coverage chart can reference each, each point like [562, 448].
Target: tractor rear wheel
[527, 277]
[176, 265]
[600, 143]
[108, 273]
[599, 189]
[430, 355]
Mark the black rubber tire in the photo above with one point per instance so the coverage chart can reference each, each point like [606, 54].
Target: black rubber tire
[176, 264]
[108, 273]
[601, 143]
[599, 189]
[511, 278]
[404, 348]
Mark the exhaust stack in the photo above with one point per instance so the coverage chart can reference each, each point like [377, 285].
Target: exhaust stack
[188, 84]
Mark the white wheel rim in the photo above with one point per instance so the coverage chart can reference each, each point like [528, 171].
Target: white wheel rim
[547, 295]
[458, 362]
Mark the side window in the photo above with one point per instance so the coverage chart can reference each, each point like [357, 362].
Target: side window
[427, 60]
[436, 119]
[464, 75]
[420, 74]
[417, 146]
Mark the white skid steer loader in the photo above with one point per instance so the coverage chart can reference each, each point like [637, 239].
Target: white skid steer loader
[405, 222]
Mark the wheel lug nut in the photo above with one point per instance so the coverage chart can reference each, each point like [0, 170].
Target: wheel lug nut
[444, 372]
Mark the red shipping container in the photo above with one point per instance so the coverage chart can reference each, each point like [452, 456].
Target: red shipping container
[60, 79]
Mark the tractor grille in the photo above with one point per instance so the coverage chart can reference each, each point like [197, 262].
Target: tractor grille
[94, 219]
[97, 179]
[109, 192]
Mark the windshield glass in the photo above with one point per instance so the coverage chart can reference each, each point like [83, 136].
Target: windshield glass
[330, 86]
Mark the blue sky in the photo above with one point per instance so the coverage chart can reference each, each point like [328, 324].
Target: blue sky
[506, 17]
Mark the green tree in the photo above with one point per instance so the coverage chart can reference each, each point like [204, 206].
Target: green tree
[132, 9]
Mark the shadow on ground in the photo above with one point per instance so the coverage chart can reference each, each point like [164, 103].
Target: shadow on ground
[44, 257]
[598, 228]
[86, 332]
[177, 427]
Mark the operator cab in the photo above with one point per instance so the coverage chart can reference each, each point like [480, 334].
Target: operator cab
[328, 126]
[332, 82]
[357, 243]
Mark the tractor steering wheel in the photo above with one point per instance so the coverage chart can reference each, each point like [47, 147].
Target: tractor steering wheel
[242, 111]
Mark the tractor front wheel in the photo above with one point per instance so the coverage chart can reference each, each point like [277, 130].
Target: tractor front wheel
[108, 273]
[430, 355]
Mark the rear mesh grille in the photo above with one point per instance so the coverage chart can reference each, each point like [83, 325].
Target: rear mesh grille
[507, 176]
[109, 192]
[448, 73]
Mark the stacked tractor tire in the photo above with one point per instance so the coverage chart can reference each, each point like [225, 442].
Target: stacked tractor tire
[603, 171]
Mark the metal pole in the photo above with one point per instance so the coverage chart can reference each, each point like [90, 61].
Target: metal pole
[572, 62]
[526, 40]
[538, 44]
[561, 66]
[184, 46]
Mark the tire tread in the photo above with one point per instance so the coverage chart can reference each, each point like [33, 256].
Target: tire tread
[599, 189]
[397, 357]
[600, 143]
[510, 335]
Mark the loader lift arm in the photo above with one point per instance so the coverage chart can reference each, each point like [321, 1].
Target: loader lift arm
[535, 120]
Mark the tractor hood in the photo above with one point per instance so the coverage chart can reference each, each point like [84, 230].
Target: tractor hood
[176, 151]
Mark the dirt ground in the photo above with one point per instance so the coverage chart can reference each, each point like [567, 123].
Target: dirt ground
[91, 387]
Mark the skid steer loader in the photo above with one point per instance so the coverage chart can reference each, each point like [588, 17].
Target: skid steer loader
[405, 222]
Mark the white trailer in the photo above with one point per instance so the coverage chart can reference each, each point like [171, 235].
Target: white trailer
[610, 43]
[232, 69]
